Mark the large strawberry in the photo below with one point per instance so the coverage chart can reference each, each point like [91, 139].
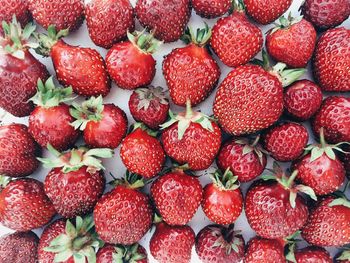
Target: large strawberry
[17, 8]
[119, 254]
[211, 9]
[190, 72]
[108, 21]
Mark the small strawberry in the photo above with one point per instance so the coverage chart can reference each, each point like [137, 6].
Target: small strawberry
[211, 9]
[167, 18]
[311, 254]
[109, 20]
[17, 8]
[150, 106]
[119, 254]
[103, 125]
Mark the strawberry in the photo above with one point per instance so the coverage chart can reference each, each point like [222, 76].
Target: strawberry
[167, 18]
[50, 120]
[332, 60]
[19, 70]
[172, 244]
[133, 254]
[18, 151]
[211, 9]
[177, 196]
[103, 125]
[108, 21]
[131, 64]
[312, 254]
[302, 99]
[17, 8]
[222, 199]
[24, 205]
[81, 68]
[264, 250]
[19, 247]
[219, 244]
[150, 106]
[190, 72]
[245, 159]
[286, 142]
[292, 41]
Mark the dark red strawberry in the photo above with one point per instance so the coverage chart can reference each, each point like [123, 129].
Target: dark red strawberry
[190, 72]
[17, 8]
[150, 106]
[103, 125]
[108, 21]
[168, 18]
[312, 254]
[129, 254]
[211, 9]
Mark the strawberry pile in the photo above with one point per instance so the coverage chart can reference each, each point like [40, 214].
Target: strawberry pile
[248, 162]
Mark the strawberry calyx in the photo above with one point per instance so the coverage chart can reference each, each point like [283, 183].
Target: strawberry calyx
[285, 23]
[340, 199]
[144, 42]
[345, 254]
[200, 38]
[146, 95]
[227, 238]
[4, 181]
[225, 181]
[143, 127]
[46, 42]
[130, 180]
[290, 243]
[127, 254]
[252, 147]
[237, 6]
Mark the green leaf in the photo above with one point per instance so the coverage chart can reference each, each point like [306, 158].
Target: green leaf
[316, 153]
[292, 198]
[182, 127]
[307, 190]
[63, 256]
[329, 152]
[70, 229]
[340, 201]
[267, 177]
[79, 258]
[100, 152]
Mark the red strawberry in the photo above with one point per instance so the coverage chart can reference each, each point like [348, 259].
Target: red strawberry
[222, 200]
[150, 106]
[133, 254]
[332, 60]
[302, 99]
[286, 142]
[24, 205]
[17, 8]
[246, 160]
[172, 244]
[81, 68]
[108, 21]
[219, 244]
[265, 250]
[292, 41]
[191, 138]
[177, 196]
[61, 14]
[167, 18]
[19, 247]
[49, 123]
[18, 151]
[312, 254]
[103, 125]
[211, 9]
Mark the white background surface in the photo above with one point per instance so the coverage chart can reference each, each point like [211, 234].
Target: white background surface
[120, 97]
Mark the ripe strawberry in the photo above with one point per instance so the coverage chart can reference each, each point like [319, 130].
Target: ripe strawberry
[292, 41]
[61, 14]
[150, 106]
[177, 196]
[133, 254]
[326, 13]
[19, 247]
[323, 228]
[123, 215]
[219, 244]
[108, 21]
[167, 18]
[302, 99]
[286, 142]
[222, 199]
[265, 250]
[103, 125]
[17, 8]
[190, 72]
[81, 68]
[191, 138]
[211, 9]
[24, 205]
[19, 70]
[332, 60]
[18, 151]
[246, 160]
[172, 244]
[50, 120]
[312, 254]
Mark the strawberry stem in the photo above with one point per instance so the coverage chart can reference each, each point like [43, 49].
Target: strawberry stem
[189, 112]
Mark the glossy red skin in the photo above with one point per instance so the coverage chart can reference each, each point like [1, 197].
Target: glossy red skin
[190, 73]
[249, 107]
[19, 247]
[334, 117]
[123, 216]
[108, 21]
[168, 18]
[198, 147]
[235, 40]
[264, 250]
[325, 229]
[82, 68]
[24, 205]
[246, 167]
[109, 131]
[172, 244]
[293, 45]
[105, 254]
[211, 9]
[177, 197]
[53, 125]
[302, 99]
[313, 255]
[18, 8]
[270, 213]
[332, 60]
